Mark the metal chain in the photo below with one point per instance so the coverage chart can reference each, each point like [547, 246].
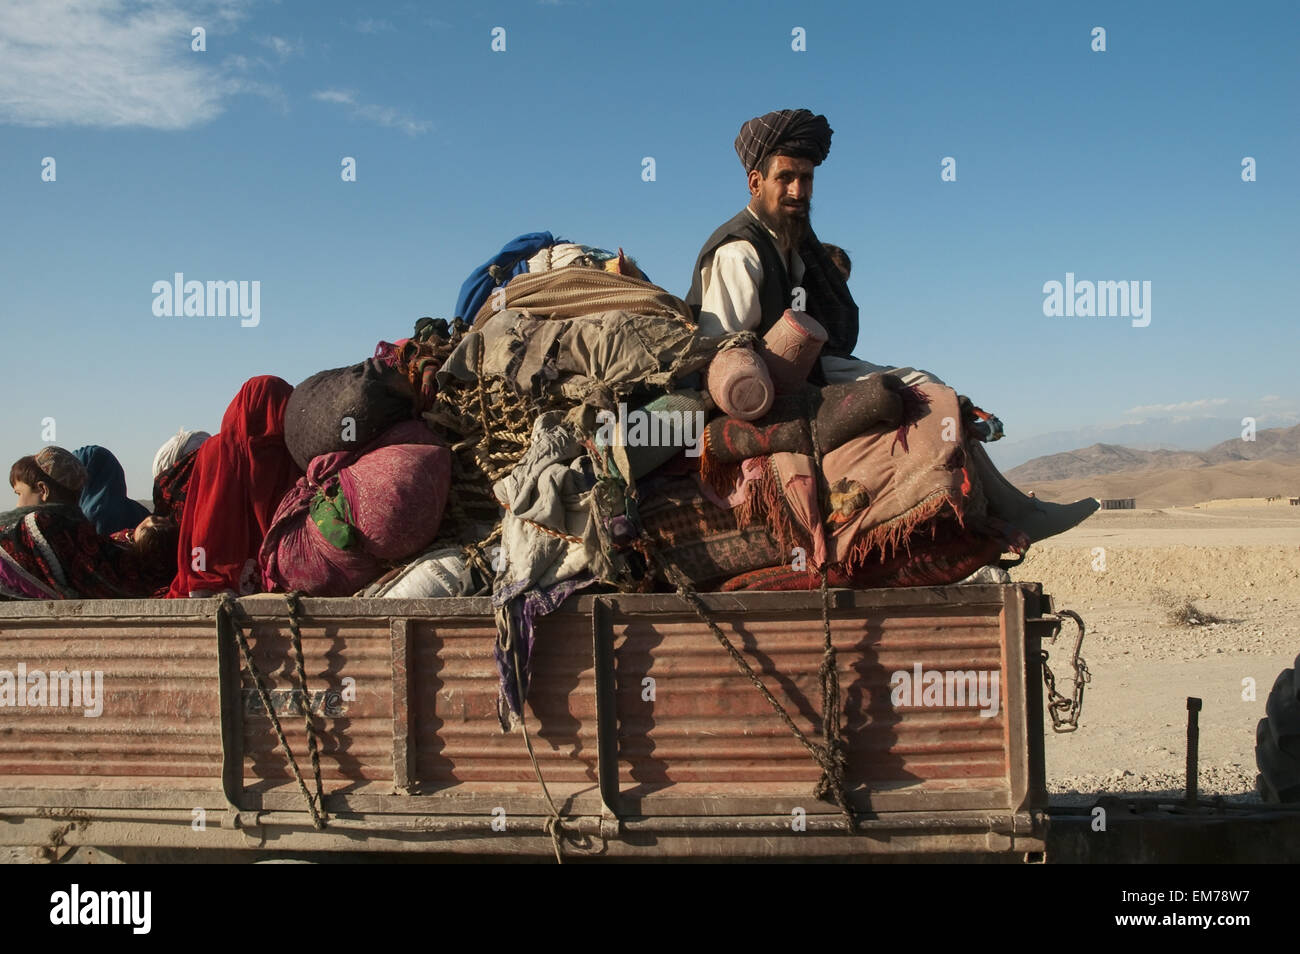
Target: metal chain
[825, 755]
[1065, 712]
[835, 771]
[833, 780]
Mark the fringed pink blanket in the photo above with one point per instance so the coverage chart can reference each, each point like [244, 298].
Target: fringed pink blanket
[875, 490]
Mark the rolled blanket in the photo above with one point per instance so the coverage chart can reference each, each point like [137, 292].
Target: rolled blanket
[944, 555]
[855, 407]
[441, 572]
[842, 412]
[574, 292]
[729, 440]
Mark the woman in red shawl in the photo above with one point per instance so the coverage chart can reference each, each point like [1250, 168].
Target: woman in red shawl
[238, 479]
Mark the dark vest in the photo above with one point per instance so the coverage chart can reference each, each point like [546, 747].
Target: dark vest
[828, 297]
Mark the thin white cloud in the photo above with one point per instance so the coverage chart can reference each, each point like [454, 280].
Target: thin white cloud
[416, 9]
[113, 63]
[388, 116]
[372, 25]
[237, 68]
[280, 46]
[345, 96]
[268, 91]
[1200, 405]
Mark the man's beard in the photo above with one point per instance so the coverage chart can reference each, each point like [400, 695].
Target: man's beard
[790, 227]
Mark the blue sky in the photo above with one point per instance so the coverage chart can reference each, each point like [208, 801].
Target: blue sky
[225, 165]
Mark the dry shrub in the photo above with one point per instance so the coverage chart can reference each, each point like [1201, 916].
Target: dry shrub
[1183, 612]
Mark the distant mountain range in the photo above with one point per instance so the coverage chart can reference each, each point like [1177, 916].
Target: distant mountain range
[1180, 433]
[1274, 444]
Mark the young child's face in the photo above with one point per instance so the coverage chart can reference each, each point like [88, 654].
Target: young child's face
[28, 496]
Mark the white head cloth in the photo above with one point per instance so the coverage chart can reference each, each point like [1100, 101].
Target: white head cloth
[185, 442]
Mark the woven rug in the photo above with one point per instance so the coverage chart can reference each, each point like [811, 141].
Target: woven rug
[701, 538]
[940, 555]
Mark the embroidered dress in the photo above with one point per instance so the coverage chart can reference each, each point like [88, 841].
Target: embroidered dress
[52, 552]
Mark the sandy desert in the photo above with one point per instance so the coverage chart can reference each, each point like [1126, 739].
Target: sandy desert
[1126, 572]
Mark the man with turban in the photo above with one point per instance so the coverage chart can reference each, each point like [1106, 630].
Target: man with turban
[748, 270]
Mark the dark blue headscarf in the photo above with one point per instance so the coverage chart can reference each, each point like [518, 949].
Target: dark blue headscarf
[103, 498]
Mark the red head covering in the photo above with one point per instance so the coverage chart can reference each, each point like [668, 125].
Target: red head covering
[238, 480]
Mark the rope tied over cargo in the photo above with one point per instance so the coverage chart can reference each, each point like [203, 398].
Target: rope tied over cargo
[828, 756]
[554, 824]
[295, 638]
[229, 606]
[830, 753]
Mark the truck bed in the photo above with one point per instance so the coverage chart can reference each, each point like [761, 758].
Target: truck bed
[650, 741]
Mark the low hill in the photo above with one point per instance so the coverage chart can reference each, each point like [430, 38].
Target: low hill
[1276, 444]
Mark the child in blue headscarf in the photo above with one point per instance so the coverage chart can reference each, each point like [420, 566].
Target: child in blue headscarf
[103, 496]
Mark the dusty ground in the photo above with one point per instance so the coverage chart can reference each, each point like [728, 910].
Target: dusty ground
[1179, 487]
[1241, 564]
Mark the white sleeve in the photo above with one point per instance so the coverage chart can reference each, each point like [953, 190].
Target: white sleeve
[729, 302]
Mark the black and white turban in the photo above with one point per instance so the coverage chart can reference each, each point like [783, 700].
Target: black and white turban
[790, 132]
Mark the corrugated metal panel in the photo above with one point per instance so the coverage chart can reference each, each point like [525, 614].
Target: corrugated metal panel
[708, 723]
[457, 734]
[354, 736]
[706, 744]
[708, 732]
[160, 721]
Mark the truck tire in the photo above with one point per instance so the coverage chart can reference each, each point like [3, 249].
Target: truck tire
[1277, 740]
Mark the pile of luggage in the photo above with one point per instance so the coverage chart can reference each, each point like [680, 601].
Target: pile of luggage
[570, 428]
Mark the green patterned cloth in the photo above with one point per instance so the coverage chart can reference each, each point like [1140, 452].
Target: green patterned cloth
[332, 515]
